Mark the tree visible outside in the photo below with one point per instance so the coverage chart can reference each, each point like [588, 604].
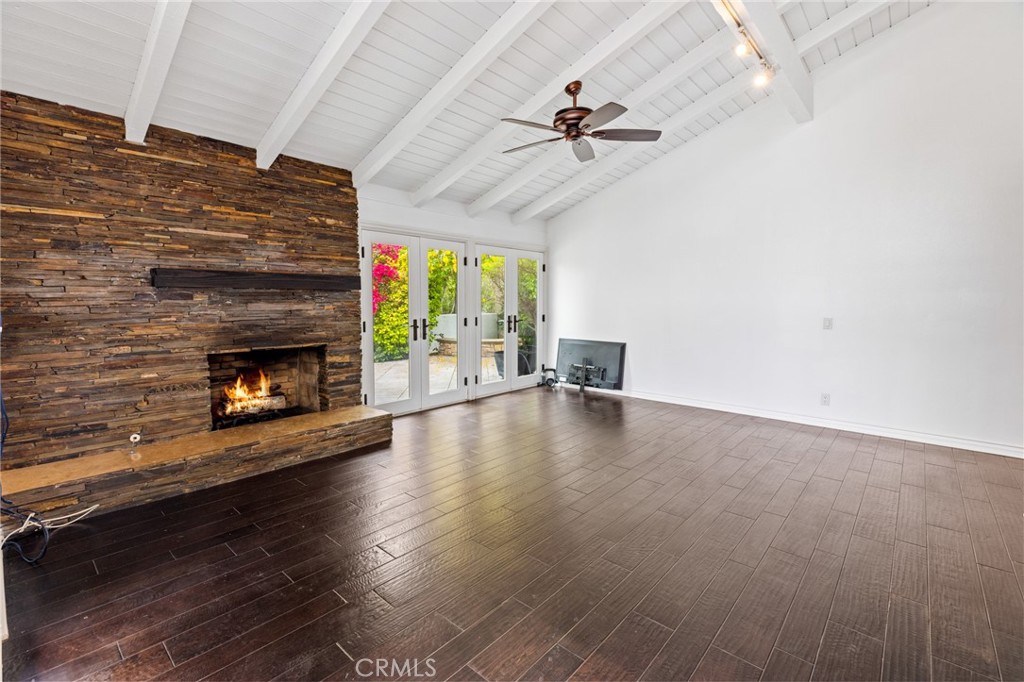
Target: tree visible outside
[390, 302]
[391, 297]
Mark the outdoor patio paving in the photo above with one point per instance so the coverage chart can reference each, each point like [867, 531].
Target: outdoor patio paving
[391, 379]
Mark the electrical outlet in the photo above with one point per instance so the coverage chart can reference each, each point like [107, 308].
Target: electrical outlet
[826, 323]
[826, 399]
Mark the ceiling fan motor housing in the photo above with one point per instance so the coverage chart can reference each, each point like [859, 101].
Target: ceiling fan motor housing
[568, 120]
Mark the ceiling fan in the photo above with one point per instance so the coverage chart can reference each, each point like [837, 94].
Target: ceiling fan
[577, 123]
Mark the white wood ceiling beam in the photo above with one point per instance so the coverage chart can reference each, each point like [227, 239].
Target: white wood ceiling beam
[622, 38]
[792, 81]
[706, 104]
[682, 68]
[498, 38]
[847, 19]
[347, 36]
[782, 6]
[161, 42]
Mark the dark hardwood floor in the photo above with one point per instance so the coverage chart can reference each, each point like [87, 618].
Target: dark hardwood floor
[546, 535]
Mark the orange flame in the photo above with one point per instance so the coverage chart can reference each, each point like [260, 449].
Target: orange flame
[241, 397]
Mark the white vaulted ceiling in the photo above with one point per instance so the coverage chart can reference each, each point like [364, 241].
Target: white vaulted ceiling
[417, 100]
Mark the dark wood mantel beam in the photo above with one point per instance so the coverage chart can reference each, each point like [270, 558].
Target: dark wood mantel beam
[184, 278]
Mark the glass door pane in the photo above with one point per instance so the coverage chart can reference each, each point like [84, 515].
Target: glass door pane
[492, 319]
[525, 325]
[391, 322]
[443, 321]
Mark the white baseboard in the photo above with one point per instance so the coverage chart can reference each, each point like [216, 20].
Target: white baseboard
[869, 429]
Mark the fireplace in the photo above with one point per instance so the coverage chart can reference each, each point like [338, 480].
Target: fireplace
[258, 385]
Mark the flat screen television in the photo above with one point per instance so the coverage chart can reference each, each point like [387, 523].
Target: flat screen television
[607, 358]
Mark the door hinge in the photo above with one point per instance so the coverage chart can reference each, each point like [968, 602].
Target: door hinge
[364, 399]
[465, 260]
[543, 267]
[465, 322]
[543, 318]
[364, 326]
[465, 381]
[476, 321]
[476, 262]
[362, 251]
[476, 379]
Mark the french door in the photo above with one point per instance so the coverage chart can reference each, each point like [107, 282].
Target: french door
[509, 330]
[415, 331]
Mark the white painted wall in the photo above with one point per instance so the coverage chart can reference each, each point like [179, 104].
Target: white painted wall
[383, 208]
[897, 211]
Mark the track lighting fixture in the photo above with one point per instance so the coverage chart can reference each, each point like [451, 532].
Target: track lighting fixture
[747, 45]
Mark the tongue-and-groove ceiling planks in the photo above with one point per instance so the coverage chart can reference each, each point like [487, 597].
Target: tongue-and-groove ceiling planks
[446, 71]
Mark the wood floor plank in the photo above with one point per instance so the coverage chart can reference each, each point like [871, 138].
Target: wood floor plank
[907, 654]
[835, 535]
[406, 653]
[862, 595]
[803, 525]
[718, 665]
[1010, 652]
[783, 667]
[985, 535]
[682, 585]
[751, 548]
[648, 540]
[960, 626]
[885, 474]
[913, 467]
[684, 649]
[144, 665]
[878, 515]
[750, 631]
[593, 628]
[625, 653]
[801, 631]
[1003, 598]
[910, 517]
[850, 492]
[518, 649]
[782, 502]
[944, 671]
[972, 485]
[910, 572]
[945, 511]
[556, 665]
[846, 654]
[456, 653]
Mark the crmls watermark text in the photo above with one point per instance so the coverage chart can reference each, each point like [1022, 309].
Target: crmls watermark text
[392, 667]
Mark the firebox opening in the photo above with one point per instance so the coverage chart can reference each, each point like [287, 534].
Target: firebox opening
[250, 386]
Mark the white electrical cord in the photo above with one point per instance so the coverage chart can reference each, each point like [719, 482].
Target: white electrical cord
[36, 522]
[66, 520]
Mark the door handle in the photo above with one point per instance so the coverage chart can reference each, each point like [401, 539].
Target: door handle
[515, 323]
[509, 324]
[424, 329]
[415, 328]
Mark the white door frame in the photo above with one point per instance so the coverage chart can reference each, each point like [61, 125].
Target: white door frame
[469, 310]
[512, 380]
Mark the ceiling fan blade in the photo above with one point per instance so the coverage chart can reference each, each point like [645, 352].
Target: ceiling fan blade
[601, 116]
[532, 144]
[626, 135]
[583, 150]
[530, 124]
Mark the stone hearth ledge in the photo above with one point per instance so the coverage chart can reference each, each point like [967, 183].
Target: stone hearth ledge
[116, 480]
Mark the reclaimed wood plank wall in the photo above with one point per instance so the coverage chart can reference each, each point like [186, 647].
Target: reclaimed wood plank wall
[92, 352]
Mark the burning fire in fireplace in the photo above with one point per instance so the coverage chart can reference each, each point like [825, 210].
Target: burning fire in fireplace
[243, 398]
